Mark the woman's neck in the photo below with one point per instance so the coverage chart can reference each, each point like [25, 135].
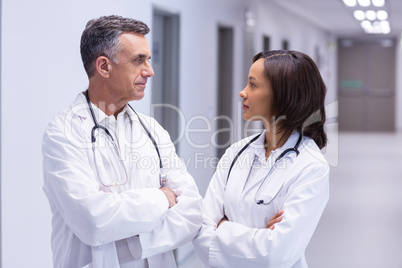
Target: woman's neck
[274, 140]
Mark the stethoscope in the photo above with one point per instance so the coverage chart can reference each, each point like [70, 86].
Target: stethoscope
[285, 152]
[162, 176]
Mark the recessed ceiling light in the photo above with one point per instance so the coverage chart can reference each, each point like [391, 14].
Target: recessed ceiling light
[378, 3]
[366, 24]
[371, 14]
[384, 24]
[364, 3]
[359, 14]
[382, 14]
[350, 3]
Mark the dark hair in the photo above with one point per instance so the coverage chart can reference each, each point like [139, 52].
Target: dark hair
[101, 38]
[298, 93]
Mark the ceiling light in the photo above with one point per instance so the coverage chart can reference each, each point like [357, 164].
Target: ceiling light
[382, 14]
[377, 27]
[365, 24]
[386, 30]
[384, 24]
[350, 3]
[371, 15]
[378, 3]
[359, 14]
[364, 3]
[369, 30]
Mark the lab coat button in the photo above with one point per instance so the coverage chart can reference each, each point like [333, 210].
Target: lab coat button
[97, 247]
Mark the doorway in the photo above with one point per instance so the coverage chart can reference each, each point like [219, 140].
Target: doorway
[165, 62]
[366, 85]
[266, 43]
[224, 91]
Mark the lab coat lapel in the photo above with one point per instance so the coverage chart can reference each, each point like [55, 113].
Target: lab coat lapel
[236, 182]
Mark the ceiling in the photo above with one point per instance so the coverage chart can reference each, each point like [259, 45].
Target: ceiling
[333, 16]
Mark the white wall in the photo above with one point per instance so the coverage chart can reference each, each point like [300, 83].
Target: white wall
[42, 72]
[398, 91]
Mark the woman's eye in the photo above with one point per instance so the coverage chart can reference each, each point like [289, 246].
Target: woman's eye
[251, 84]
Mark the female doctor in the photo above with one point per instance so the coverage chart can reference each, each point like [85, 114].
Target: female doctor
[278, 178]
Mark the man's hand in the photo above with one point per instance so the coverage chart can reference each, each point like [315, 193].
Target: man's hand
[170, 195]
[275, 219]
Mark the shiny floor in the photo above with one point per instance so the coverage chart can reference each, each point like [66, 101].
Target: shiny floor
[362, 223]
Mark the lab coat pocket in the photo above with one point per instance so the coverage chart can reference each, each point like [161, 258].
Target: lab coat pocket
[270, 189]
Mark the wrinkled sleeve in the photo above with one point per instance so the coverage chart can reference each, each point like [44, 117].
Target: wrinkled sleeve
[213, 209]
[94, 216]
[235, 245]
[184, 219]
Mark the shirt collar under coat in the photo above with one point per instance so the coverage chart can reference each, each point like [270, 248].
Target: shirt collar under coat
[82, 109]
[259, 149]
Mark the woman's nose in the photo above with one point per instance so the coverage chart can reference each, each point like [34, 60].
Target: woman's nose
[243, 94]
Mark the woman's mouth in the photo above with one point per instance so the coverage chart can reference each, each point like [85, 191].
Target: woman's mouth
[245, 107]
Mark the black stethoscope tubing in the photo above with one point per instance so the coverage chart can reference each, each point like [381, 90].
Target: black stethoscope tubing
[294, 149]
[162, 177]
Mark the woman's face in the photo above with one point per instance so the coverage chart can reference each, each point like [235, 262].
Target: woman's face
[257, 95]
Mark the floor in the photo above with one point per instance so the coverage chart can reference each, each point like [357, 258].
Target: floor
[362, 223]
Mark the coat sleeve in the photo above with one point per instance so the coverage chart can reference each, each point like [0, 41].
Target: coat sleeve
[236, 245]
[213, 209]
[94, 216]
[184, 219]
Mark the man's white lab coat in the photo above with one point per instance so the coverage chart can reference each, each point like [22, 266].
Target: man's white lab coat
[93, 224]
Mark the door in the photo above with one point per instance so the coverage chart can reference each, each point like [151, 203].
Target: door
[224, 91]
[366, 85]
[165, 62]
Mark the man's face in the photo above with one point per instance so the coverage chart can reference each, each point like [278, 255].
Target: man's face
[132, 70]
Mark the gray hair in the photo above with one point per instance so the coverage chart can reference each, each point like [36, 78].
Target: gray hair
[101, 38]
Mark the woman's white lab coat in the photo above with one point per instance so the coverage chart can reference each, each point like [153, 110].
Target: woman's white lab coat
[299, 186]
[89, 218]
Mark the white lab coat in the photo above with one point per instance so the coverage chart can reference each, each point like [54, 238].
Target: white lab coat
[89, 218]
[300, 187]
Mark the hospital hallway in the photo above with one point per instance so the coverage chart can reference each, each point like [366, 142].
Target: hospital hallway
[362, 223]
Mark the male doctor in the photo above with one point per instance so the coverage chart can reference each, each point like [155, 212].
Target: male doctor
[119, 194]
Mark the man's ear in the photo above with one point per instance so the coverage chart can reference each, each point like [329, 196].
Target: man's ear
[103, 66]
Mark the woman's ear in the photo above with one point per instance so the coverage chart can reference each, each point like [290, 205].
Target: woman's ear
[103, 66]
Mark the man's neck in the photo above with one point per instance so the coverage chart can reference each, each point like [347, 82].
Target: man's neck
[102, 98]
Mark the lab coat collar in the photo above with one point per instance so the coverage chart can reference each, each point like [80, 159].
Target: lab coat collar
[80, 108]
[259, 149]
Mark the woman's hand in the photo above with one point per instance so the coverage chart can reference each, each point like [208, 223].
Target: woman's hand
[223, 220]
[275, 219]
